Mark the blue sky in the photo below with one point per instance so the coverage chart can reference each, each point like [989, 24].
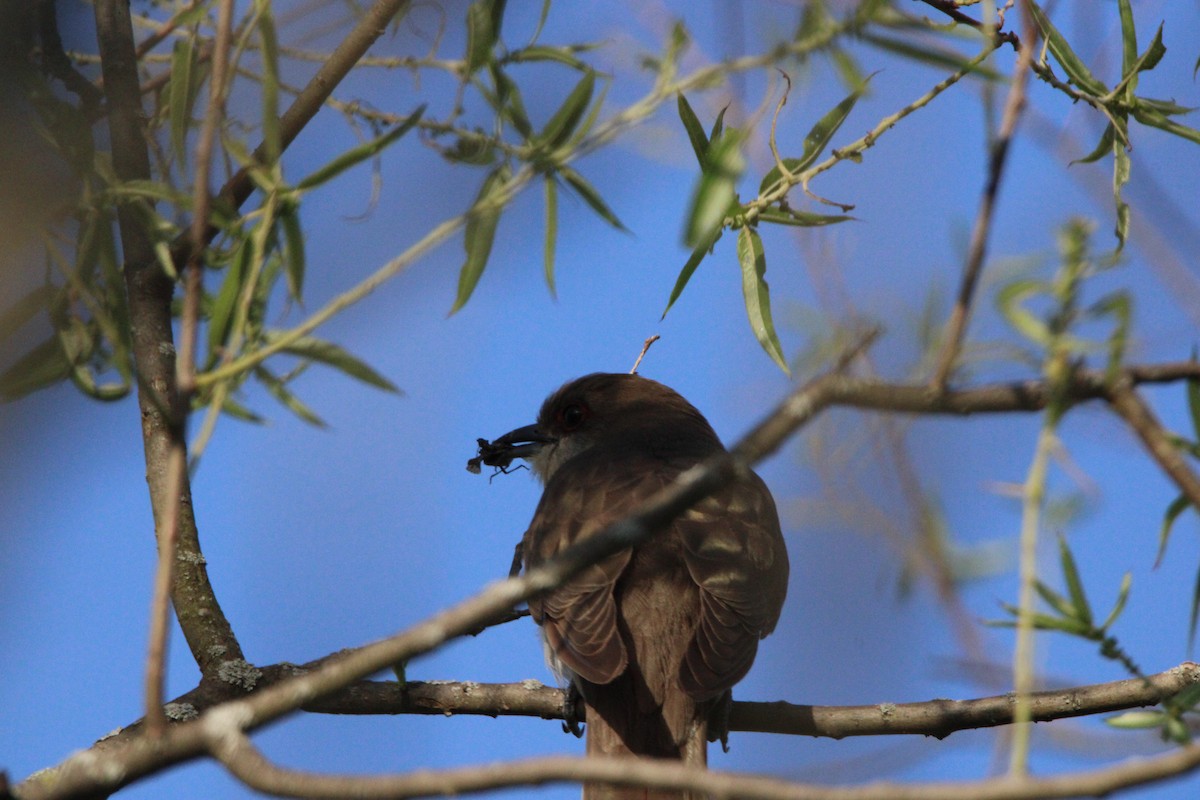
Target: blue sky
[322, 539]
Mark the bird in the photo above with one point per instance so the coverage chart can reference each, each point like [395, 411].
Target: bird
[652, 638]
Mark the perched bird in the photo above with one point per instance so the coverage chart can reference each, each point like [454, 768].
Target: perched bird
[651, 638]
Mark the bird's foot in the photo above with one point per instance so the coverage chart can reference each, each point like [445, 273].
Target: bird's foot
[571, 700]
[718, 720]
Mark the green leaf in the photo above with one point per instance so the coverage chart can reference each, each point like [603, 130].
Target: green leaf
[591, 197]
[802, 219]
[560, 55]
[1119, 606]
[278, 389]
[25, 309]
[223, 305]
[816, 140]
[541, 21]
[685, 274]
[1128, 36]
[714, 195]
[272, 144]
[1177, 507]
[1121, 166]
[1055, 600]
[481, 34]
[1103, 148]
[42, 366]
[1148, 115]
[551, 232]
[718, 126]
[1074, 585]
[1044, 622]
[324, 352]
[1076, 70]
[294, 260]
[238, 411]
[479, 235]
[180, 96]
[758, 297]
[1009, 301]
[1137, 720]
[695, 131]
[564, 121]
[362, 152]
[513, 106]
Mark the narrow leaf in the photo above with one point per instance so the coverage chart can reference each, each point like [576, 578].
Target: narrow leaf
[1119, 606]
[221, 313]
[757, 294]
[42, 366]
[695, 131]
[183, 59]
[714, 194]
[479, 235]
[564, 121]
[294, 258]
[1103, 148]
[591, 197]
[276, 388]
[272, 144]
[1177, 507]
[1076, 70]
[1128, 36]
[1074, 585]
[1055, 600]
[560, 55]
[802, 219]
[718, 126]
[1121, 167]
[324, 352]
[816, 140]
[685, 274]
[551, 232]
[1136, 720]
[481, 35]
[362, 152]
[25, 309]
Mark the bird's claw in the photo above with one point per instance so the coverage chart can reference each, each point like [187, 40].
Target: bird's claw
[718, 720]
[571, 700]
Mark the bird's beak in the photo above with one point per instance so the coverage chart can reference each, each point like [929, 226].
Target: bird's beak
[523, 442]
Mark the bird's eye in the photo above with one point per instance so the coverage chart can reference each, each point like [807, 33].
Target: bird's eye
[573, 416]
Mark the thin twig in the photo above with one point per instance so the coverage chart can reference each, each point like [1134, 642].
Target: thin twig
[645, 348]
[977, 250]
[186, 367]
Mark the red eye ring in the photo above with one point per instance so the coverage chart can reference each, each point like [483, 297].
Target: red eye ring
[573, 415]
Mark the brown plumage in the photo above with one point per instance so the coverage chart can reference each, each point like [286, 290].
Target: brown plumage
[655, 636]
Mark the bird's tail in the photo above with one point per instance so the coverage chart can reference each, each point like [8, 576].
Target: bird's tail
[618, 728]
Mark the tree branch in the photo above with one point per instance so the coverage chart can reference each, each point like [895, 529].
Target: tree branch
[234, 749]
[149, 291]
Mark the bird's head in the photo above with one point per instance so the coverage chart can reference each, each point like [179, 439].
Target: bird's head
[619, 412]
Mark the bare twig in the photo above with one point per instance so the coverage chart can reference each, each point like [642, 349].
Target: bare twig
[645, 348]
[977, 250]
[186, 368]
[235, 750]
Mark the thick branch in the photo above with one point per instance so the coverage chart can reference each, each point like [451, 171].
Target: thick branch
[149, 292]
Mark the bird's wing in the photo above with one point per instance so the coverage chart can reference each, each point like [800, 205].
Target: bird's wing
[579, 619]
[735, 553]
